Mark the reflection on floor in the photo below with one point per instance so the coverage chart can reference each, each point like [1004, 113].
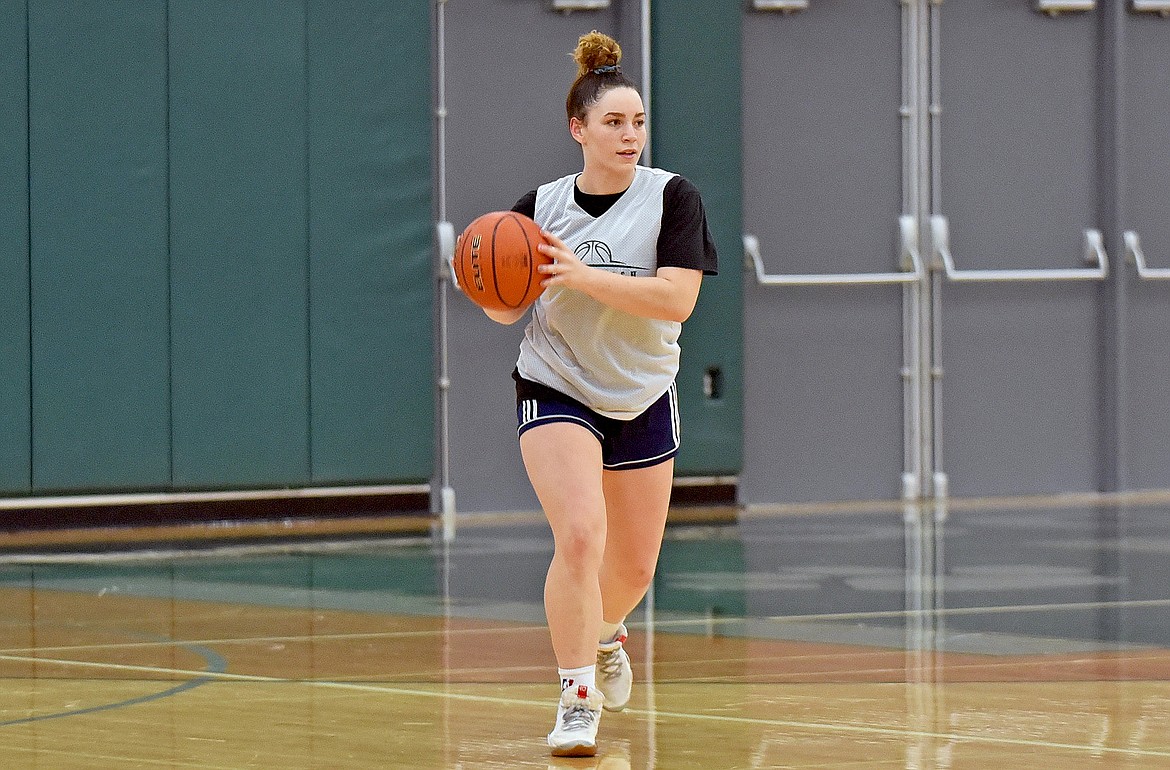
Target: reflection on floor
[979, 636]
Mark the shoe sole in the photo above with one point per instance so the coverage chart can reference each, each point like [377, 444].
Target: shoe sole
[576, 750]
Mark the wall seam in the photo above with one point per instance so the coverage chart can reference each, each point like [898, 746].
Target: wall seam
[1113, 298]
[308, 251]
[169, 246]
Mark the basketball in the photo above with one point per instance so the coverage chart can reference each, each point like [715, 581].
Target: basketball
[496, 259]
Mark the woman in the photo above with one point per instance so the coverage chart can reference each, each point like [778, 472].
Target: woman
[596, 399]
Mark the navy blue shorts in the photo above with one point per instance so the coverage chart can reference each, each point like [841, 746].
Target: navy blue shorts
[649, 439]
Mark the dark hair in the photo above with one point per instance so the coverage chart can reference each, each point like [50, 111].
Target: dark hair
[598, 57]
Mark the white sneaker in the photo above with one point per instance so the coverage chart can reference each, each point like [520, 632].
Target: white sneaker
[578, 714]
[614, 674]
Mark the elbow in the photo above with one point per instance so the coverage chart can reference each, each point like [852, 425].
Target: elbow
[680, 301]
[505, 317]
[681, 312]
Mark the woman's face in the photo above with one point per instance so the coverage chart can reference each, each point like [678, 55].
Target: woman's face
[614, 131]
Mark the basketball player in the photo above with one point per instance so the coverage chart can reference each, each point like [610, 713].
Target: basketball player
[596, 399]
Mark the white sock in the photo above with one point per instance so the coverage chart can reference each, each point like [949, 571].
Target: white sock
[572, 677]
[609, 631]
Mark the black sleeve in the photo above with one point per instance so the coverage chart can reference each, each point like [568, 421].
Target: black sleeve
[685, 239]
[526, 205]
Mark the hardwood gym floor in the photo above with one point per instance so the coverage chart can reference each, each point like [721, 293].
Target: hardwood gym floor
[992, 635]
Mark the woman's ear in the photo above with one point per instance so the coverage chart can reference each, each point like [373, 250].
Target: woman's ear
[577, 129]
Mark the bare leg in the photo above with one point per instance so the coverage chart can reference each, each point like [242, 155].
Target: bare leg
[636, 504]
[563, 461]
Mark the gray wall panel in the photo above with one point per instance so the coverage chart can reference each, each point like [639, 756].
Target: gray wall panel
[822, 180]
[1018, 185]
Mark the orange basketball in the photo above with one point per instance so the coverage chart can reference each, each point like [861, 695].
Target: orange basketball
[496, 260]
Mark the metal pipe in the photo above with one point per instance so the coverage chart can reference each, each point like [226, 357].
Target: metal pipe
[910, 259]
[939, 486]
[445, 242]
[912, 478]
[930, 90]
[646, 75]
[1094, 252]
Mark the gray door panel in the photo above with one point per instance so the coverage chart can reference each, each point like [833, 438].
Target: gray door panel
[1016, 180]
[823, 193]
[1146, 212]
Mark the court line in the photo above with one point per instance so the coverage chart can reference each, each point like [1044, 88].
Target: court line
[216, 664]
[925, 613]
[271, 639]
[649, 714]
[950, 671]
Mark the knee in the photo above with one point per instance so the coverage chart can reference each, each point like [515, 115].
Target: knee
[636, 573]
[581, 544]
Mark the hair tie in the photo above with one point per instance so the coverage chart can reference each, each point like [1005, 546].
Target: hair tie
[606, 69]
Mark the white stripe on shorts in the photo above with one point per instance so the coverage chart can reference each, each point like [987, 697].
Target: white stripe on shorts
[529, 408]
[675, 421]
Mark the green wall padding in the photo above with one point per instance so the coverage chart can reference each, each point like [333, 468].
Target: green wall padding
[695, 124]
[370, 244]
[227, 282]
[97, 184]
[239, 243]
[15, 435]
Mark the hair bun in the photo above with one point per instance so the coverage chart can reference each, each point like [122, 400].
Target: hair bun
[596, 50]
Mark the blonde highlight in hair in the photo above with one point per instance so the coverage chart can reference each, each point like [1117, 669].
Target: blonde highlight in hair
[598, 57]
[596, 50]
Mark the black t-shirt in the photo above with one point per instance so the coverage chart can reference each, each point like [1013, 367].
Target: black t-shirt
[685, 239]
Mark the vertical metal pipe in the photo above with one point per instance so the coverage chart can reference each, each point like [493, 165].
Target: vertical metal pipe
[930, 178]
[646, 75]
[443, 385]
[912, 469]
[441, 105]
[939, 487]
